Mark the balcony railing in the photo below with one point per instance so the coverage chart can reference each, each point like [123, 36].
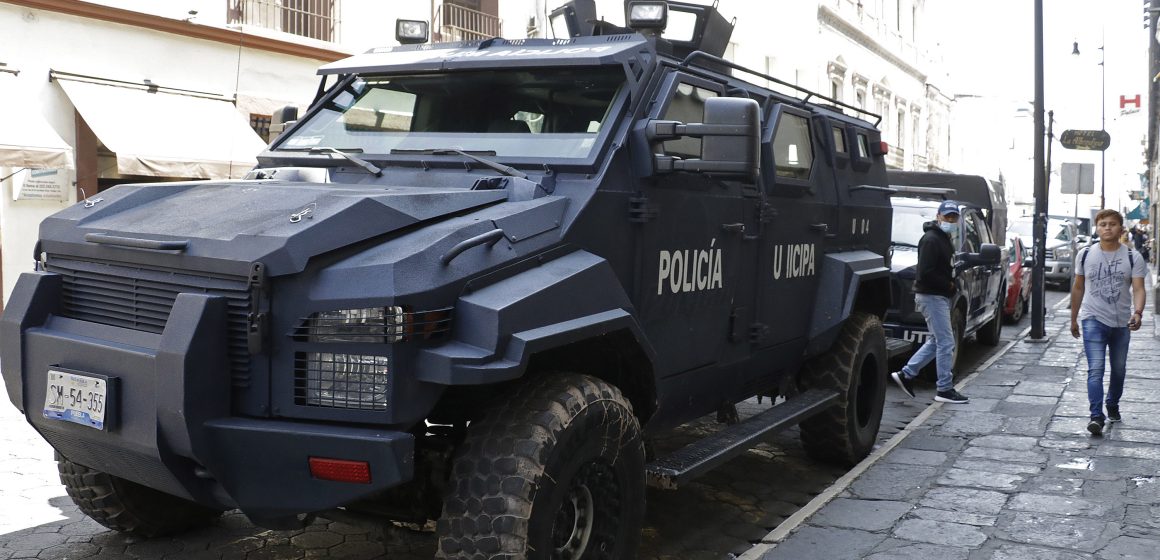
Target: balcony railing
[896, 158]
[316, 19]
[457, 23]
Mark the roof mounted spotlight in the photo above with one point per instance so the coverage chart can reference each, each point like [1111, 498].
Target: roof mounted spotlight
[651, 15]
[410, 31]
[574, 19]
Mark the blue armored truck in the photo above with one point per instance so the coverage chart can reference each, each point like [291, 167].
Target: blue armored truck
[468, 285]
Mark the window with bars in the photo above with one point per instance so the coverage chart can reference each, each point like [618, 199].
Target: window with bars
[316, 19]
[261, 125]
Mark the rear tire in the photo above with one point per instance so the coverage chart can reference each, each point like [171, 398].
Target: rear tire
[555, 471]
[129, 507]
[856, 367]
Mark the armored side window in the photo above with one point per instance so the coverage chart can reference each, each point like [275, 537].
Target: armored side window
[687, 106]
[793, 154]
[839, 139]
[863, 146]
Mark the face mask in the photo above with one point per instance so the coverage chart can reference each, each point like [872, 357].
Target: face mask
[947, 227]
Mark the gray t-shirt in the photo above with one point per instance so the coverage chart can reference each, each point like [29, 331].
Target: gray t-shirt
[1107, 295]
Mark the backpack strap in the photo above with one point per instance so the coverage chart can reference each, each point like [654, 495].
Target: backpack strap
[1084, 254]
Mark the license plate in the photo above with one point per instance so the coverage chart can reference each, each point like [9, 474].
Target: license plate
[76, 398]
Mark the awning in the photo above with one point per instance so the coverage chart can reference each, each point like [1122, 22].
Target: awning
[26, 139]
[1140, 212]
[164, 134]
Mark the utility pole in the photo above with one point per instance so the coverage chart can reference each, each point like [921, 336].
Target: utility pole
[1103, 126]
[1040, 219]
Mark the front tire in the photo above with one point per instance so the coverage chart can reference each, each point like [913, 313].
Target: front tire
[554, 471]
[993, 330]
[856, 367]
[129, 507]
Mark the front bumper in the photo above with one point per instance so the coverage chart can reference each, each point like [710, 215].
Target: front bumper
[913, 333]
[1057, 271]
[169, 424]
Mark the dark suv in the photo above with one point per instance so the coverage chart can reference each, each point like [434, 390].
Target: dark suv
[977, 308]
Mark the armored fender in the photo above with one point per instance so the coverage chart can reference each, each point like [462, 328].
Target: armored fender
[863, 280]
[500, 327]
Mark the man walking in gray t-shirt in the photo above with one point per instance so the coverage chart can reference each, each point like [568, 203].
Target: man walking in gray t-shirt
[1102, 303]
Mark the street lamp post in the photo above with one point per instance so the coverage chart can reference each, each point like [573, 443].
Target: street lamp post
[1103, 117]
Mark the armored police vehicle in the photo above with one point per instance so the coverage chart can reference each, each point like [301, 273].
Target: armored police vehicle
[467, 285]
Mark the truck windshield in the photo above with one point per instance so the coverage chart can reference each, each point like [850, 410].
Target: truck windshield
[524, 113]
[906, 226]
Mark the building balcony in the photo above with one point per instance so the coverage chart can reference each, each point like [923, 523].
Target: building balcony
[316, 19]
[896, 158]
[458, 23]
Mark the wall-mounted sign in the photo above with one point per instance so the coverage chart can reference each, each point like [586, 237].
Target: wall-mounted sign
[42, 184]
[1085, 139]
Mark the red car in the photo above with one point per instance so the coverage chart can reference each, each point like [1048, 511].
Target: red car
[1018, 280]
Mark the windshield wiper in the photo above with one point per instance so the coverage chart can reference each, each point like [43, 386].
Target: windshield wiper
[506, 170]
[366, 165]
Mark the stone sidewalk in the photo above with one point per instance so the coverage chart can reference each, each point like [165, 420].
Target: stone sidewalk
[1014, 474]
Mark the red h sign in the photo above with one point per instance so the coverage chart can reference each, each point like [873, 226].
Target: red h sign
[1125, 101]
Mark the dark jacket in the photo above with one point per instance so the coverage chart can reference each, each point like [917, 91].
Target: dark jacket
[933, 272]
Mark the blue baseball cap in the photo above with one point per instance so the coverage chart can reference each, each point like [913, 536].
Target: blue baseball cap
[948, 207]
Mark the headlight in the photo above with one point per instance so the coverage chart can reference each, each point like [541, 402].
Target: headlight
[372, 324]
[343, 380]
[1063, 253]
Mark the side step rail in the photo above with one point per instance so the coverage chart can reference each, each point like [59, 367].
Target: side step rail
[701, 456]
[897, 346]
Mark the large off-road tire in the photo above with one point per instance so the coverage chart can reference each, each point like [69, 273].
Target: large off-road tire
[958, 327]
[129, 507]
[856, 367]
[554, 471]
[992, 331]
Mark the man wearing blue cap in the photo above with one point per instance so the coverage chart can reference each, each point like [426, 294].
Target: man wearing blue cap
[934, 286]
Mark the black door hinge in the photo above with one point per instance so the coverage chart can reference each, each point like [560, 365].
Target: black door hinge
[759, 333]
[766, 213]
[257, 321]
[639, 210]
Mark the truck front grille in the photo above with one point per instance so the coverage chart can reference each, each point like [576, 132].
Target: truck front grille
[141, 298]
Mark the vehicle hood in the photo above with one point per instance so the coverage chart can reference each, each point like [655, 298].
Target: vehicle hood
[903, 260]
[226, 225]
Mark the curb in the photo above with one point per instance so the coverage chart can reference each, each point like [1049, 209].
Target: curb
[791, 523]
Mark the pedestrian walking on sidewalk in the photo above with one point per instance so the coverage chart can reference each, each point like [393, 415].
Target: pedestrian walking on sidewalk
[1107, 303]
[934, 286]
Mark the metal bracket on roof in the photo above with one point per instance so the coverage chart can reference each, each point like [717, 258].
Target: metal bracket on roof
[923, 190]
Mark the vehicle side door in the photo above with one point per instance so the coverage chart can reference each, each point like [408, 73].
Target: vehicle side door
[692, 271]
[996, 274]
[799, 188]
[973, 280]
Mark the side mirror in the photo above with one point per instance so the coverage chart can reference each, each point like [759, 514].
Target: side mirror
[989, 254]
[730, 139]
[281, 120]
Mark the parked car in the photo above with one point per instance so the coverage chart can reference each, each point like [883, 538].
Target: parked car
[1018, 279]
[1062, 241]
[977, 307]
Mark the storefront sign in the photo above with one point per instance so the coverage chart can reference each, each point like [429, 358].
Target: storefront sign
[42, 184]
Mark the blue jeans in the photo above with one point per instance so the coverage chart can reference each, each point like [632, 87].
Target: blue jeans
[940, 345]
[1100, 340]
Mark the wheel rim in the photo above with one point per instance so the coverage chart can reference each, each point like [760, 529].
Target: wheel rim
[572, 530]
